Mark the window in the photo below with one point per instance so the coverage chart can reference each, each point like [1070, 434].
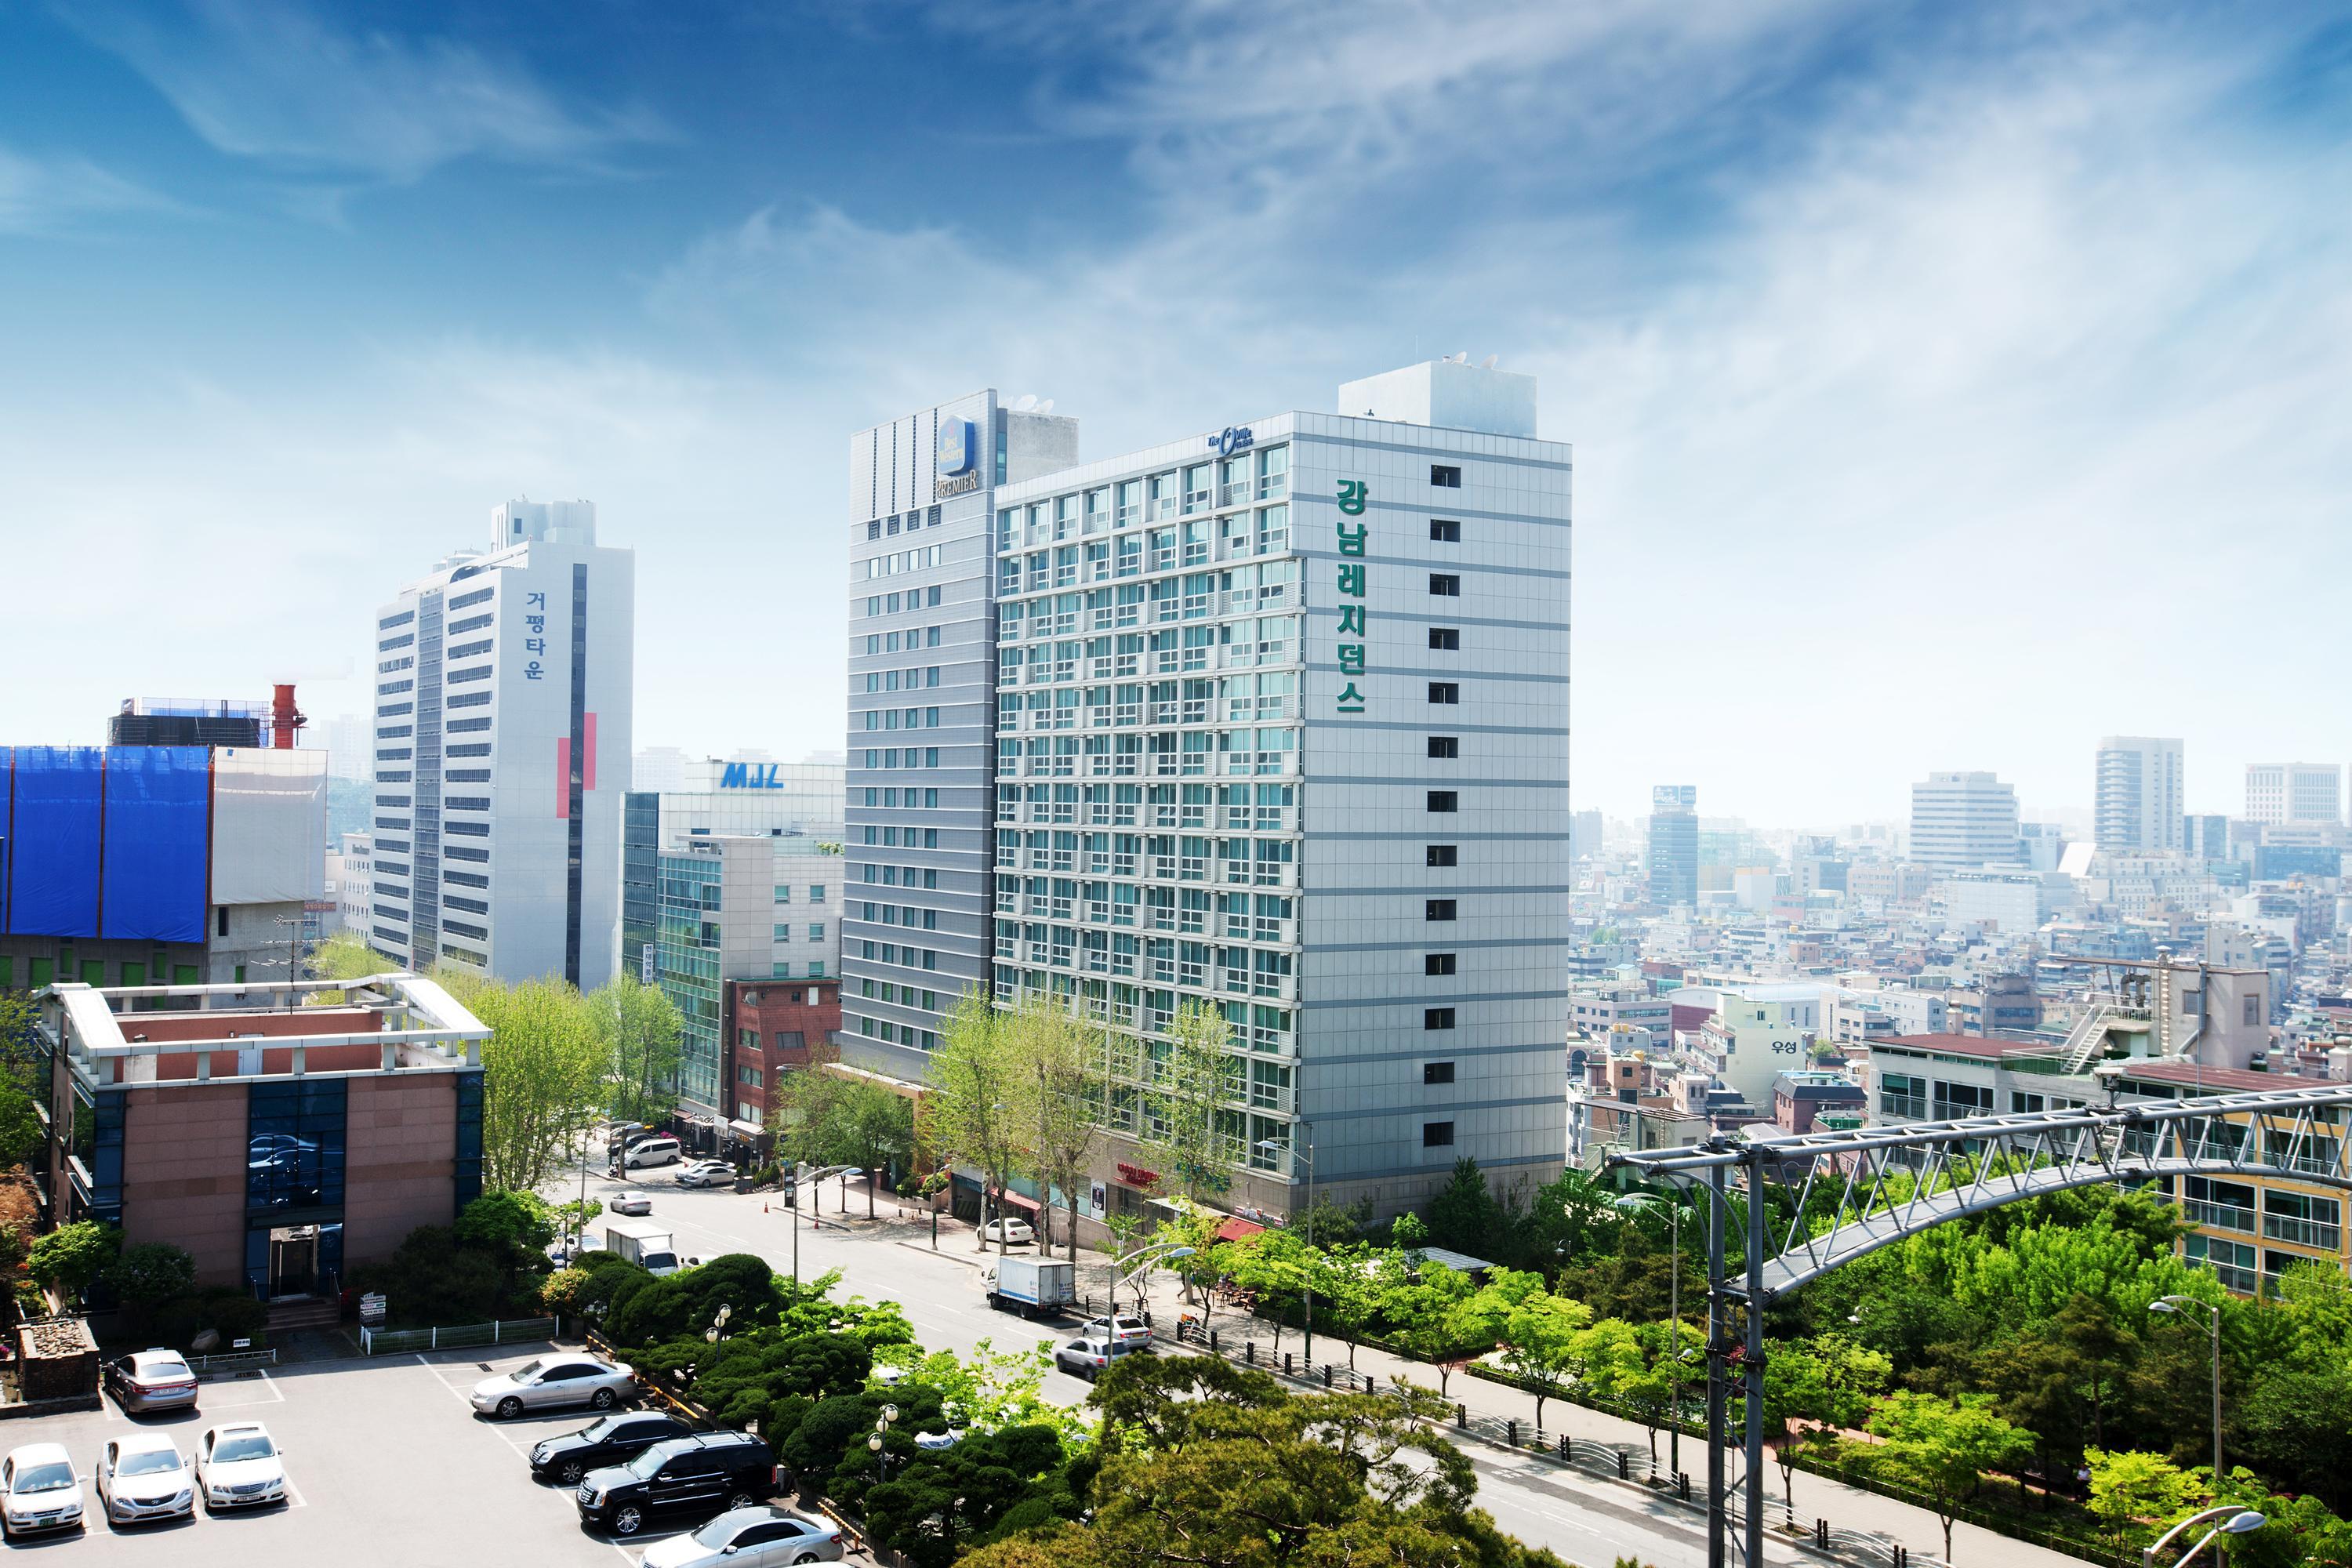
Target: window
[1437, 1072]
[1438, 910]
[1444, 748]
[2253, 1011]
[1437, 1017]
[784, 893]
[816, 932]
[1445, 693]
[1445, 479]
[1437, 963]
[1444, 800]
[1440, 853]
[816, 892]
[1445, 584]
[1437, 1135]
[1442, 530]
[1446, 639]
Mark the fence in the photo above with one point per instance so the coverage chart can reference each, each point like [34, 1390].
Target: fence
[231, 1364]
[393, 1342]
[1613, 1461]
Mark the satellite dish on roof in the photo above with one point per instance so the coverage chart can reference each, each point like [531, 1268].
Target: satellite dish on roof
[1025, 403]
[1489, 363]
[1046, 406]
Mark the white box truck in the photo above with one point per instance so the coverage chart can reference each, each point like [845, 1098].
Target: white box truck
[642, 1242]
[1032, 1286]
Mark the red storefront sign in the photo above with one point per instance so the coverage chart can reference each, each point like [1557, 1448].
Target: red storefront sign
[1137, 1176]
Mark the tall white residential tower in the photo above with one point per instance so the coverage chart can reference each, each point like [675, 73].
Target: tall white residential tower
[1960, 821]
[502, 750]
[2139, 793]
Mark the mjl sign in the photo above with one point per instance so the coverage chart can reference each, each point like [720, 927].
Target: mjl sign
[752, 775]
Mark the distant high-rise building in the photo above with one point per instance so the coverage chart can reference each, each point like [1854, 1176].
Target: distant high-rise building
[2280, 793]
[1960, 821]
[502, 726]
[2206, 837]
[1674, 844]
[660, 770]
[1584, 830]
[2138, 798]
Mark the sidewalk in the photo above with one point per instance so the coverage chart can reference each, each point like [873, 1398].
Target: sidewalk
[1846, 1508]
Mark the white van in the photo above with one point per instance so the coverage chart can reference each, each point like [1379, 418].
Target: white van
[652, 1152]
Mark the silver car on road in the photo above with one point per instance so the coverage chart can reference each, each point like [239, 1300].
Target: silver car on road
[551, 1381]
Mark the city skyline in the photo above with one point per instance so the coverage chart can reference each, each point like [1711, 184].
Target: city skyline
[1868, 318]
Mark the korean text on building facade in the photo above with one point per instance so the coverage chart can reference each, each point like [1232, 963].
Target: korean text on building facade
[1353, 495]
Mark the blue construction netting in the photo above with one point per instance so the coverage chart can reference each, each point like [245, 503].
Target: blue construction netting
[158, 804]
[54, 820]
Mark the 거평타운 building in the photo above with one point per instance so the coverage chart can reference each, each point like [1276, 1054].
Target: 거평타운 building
[503, 687]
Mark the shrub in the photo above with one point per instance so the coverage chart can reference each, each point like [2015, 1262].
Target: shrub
[226, 1310]
[432, 1281]
[151, 1273]
[72, 1255]
[742, 1378]
[683, 1304]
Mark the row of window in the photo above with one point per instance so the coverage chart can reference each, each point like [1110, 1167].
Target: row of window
[902, 719]
[784, 892]
[889, 799]
[784, 933]
[890, 836]
[911, 600]
[907, 915]
[889, 679]
[913, 520]
[891, 565]
[1260, 475]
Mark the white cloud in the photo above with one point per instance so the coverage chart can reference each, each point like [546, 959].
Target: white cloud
[49, 196]
[270, 79]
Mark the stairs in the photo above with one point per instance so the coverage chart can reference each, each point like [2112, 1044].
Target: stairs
[304, 1313]
[2086, 1040]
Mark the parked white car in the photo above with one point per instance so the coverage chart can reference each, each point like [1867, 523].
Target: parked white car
[143, 1476]
[551, 1381]
[764, 1536]
[704, 1173]
[629, 1202]
[38, 1490]
[1008, 1232]
[237, 1466]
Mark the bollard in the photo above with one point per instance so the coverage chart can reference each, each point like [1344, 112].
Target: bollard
[1286, 1363]
[1515, 1432]
[1371, 1387]
[1681, 1485]
[1212, 1342]
[1249, 1352]
[1821, 1533]
[1462, 1416]
[1327, 1374]
[1624, 1466]
[1563, 1445]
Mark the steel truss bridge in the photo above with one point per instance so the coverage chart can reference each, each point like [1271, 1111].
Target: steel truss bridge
[1889, 1182]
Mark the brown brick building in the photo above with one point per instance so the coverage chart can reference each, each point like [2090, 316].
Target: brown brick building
[280, 1148]
[771, 1028]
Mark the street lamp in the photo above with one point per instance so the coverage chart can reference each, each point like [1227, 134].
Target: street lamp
[1641, 1202]
[882, 1424]
[1139, 1262]
[718, 1324]
[2239, 1522]
[1273, 1146]
[2169, 1305]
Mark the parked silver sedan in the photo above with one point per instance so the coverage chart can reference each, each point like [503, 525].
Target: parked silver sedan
[151, 1380]
[143, 1477]
[764, 1536]
[550, 1382]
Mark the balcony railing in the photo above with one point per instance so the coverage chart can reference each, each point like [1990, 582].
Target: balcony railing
[2218, 1216]
[2302, 1232]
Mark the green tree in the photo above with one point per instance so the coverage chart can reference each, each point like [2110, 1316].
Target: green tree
[1347, 1291]
[969, 1113]
[542, 1075]
[1535, 1331]
[1827, 1382]
[69, 1257]
[345, 955]
[1192, 1078]
[151, 1274]
[1430, 1315]
[1058, 1063]
[23, 1134]
[640, 1030]
[1278, 1266]
[2131, 1492]
[1943, 1448]
[873, 1130]
[1463, 1215]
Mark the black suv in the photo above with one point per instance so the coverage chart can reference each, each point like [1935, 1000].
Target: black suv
[613, 1440]
[705, 1473]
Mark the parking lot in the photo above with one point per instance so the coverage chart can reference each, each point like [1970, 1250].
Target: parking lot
[385, 1462]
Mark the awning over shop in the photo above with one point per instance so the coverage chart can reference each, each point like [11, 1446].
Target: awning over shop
[1236, 1229]
[1017, 1201]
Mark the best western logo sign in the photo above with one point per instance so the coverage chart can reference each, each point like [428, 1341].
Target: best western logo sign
[752, 775]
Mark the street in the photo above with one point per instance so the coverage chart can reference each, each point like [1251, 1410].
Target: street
[1585, 1519]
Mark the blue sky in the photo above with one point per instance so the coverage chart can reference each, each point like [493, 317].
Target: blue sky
[1951, 385]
